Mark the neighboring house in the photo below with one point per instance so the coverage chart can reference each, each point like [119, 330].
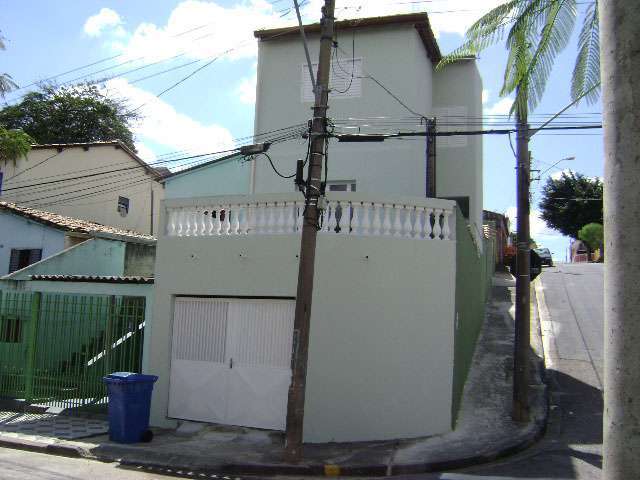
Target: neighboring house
[102, 182]
[35, 242]
[400, 279]
[499, 226]
[579, 251]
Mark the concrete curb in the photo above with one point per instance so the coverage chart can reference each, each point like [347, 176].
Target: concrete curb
[183, 464]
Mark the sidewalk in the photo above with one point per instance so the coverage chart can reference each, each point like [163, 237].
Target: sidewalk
[484, 430]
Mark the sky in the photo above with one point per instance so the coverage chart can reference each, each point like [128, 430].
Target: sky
[130, 41]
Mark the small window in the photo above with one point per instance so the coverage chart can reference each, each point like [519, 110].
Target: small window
[10, 329]
[21, 258]
[123, 206]
[341, 186]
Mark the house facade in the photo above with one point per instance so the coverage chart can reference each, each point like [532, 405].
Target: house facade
[392, 332]
[101, 182]
[35, 242]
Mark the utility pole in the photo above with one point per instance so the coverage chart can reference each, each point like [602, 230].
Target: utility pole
[431, 157]
[523, 256]
[620, 75]
[318, 139]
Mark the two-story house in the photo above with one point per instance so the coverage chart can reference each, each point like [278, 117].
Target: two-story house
[102, 182]
[400, 277]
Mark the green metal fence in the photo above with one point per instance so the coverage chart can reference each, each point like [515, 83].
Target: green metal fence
[55, 348]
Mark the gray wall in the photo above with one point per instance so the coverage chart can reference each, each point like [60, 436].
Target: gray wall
[459, 169]
[139, 259]
[381, 347]
[21, 233]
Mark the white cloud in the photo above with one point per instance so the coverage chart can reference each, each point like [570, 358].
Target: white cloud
[501, 107]
[104, 19]
[163, 125]
[247, 89]
[145, 153]
[485, 96]
[199, 29]
[537, 226]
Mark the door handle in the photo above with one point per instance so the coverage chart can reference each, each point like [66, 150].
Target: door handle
[231, 363]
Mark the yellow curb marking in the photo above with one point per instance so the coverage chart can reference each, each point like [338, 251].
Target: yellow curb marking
[332, 470]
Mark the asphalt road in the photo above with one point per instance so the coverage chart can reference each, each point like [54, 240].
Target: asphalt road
[22, 465]
[571, 449]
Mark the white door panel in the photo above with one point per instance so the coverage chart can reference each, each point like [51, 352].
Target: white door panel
[231, 361]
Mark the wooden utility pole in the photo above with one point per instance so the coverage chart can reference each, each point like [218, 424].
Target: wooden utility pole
[431, 157]
[522, 325]
[318, 139]
[620, 74]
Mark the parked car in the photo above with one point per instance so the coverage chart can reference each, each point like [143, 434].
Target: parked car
[545, 256]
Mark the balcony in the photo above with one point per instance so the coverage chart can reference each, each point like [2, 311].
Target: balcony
[345, 214]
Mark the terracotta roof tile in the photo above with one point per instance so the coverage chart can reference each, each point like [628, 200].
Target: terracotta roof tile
[71, 224]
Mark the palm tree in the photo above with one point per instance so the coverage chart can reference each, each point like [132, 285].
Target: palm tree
[538, 30]
[6, 82]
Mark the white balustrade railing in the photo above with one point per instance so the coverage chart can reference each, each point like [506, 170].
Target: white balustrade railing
[426, 219]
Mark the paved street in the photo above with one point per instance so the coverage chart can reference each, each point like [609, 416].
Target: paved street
[571, 448]
[22, 465]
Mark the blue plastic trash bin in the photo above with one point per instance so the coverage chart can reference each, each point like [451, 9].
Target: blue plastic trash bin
[129, 405]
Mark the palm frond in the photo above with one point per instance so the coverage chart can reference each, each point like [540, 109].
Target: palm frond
[586, 73]
[6, 84]
[554, 37]
[485, 32]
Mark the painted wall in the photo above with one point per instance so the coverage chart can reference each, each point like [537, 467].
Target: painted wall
[139, 259]
[392, 167]
[381, 346]
[93, 198]
[226, 178]
[475, 268]
[96, 256]
[20, 233]
[457, 90]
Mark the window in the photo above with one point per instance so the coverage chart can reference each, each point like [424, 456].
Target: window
[10, 329]
[123, 206]
[341, 186]
[342, 83]
[21, 258]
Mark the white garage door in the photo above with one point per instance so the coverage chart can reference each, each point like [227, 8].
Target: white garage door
[231, 361]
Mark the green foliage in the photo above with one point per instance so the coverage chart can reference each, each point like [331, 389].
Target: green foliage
[81, 113]
[14, 144]
[536, 32]
[592, 234]
[570, 202]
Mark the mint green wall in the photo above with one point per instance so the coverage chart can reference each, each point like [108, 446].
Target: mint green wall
[230, 177]
[473, 283]
[96, 256]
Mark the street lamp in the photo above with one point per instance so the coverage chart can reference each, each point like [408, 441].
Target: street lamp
[561, 160]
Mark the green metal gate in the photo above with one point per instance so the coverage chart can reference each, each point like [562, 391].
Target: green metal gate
[55, 348]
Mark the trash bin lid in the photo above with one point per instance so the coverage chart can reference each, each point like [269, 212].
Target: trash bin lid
[129, 377]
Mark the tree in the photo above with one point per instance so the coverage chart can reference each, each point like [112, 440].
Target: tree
[570, 202]
[81, 113]
[6, 82]
[14, 144]
[540, 30]
[592, 234]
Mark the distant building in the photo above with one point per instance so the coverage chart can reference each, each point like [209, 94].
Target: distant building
[101, 182]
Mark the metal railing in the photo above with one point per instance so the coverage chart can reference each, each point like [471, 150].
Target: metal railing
[55, 348]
